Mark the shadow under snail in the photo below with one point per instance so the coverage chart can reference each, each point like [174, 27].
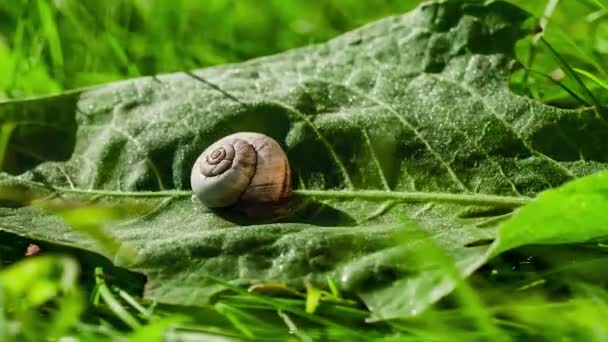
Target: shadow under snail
[243, 169]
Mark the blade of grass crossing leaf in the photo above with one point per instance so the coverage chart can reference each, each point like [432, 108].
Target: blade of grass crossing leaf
[293, 328]
[89, 220]
[95, 295]
[151, 309]
[470, 301]
[117, 308]
[228, 312]
[288, 322]
[245, 318]
[113, 304]
[249, 303]
[313, 298]
[332, 287]
[5, 135]
[134, 303]
[564, 63]
[592, 77]
[277, 304]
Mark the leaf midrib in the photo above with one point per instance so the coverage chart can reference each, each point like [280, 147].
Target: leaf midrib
[369, 195]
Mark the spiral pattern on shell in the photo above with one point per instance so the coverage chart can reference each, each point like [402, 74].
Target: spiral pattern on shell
[242, 168]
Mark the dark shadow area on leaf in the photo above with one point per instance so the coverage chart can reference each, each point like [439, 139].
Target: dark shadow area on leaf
[45, 131]
[583, 262]
[555, 273]
[14, 247]
[295, 211]
[376, 276]
[507, 19]
[270, 119]
[479, 212]
[15, 196]
[482, 242]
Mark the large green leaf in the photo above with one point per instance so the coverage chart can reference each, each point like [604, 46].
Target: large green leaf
[575, 212]
[400, 134]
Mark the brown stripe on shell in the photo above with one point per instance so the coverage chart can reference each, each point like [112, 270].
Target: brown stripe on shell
[254, 166]
[286, 189]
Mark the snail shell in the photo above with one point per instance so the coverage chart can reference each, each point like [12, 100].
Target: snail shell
[242, 168]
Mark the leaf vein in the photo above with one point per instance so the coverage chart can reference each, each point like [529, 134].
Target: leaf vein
[475, 95]
[324, 141]
[410, 127]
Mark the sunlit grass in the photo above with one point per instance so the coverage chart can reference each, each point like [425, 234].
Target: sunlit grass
[41, 296]
[48, 46]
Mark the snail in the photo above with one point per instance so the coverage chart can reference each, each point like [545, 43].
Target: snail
[242, 169]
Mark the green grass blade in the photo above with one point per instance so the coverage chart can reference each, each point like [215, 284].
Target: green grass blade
[122, 56]
[313, 298]
[277, 304]
[566, 66]
[563, 86]
[134, 303]
[470, 301]
[592, 77]
[5, 135]
[51, 33]
[333, 288]
[580, 52]
[112, 302]
[230, 314]
[543, 23]
[603, 4]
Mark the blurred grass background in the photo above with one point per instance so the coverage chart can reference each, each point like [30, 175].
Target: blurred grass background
[47, 46]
